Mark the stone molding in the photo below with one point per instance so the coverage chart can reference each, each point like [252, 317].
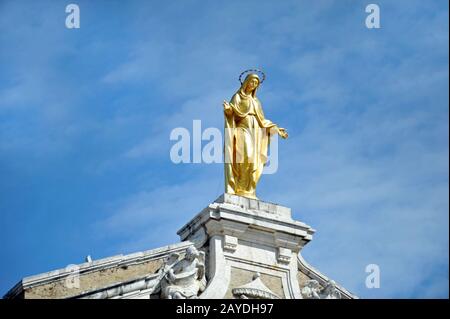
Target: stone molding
[95, 265]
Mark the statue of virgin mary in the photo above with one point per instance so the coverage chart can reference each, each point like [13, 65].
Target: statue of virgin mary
[247, 137]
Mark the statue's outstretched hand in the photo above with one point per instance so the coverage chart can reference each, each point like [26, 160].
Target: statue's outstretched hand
[283, 133]
[227, 107]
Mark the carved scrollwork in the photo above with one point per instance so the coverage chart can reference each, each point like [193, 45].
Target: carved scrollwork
[183, 278]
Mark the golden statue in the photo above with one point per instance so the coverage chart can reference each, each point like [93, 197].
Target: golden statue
[247, 137]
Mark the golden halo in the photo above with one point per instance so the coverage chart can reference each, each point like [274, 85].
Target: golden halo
[253, 71]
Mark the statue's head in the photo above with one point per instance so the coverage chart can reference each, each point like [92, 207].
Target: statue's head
[251, 83]
[192, 253]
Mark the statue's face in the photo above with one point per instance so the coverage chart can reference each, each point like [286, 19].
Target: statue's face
[252, 84]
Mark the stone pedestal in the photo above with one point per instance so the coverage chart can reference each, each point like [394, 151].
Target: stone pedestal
[244, 237]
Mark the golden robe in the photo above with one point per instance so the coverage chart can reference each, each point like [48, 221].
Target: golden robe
[247, 137]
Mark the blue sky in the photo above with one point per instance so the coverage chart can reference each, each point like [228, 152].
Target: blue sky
[85, 118]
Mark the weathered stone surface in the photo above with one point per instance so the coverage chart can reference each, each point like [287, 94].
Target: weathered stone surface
[302, 278]
[92, 276]
[90, 281]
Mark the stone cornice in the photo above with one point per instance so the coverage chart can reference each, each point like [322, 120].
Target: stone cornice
[87, 267]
